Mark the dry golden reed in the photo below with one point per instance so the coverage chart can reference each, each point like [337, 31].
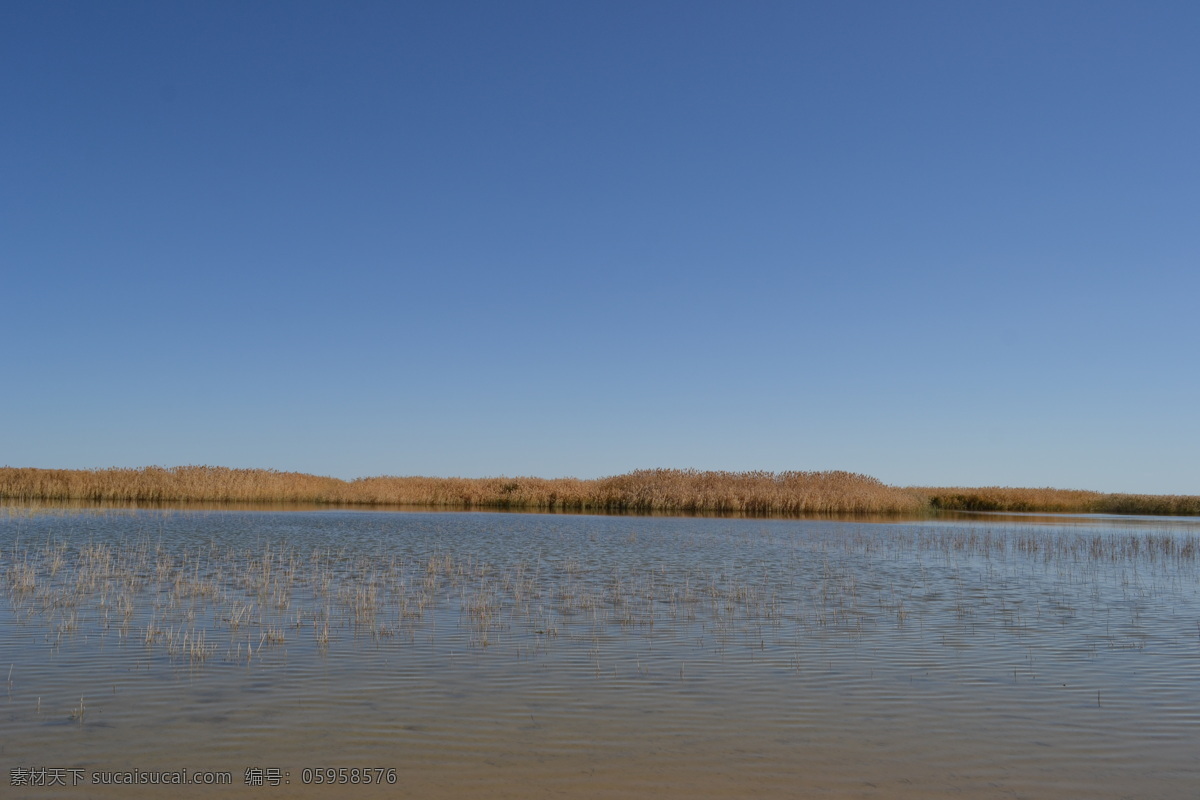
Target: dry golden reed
[651, 490]
[1004, 498]
[662, 490]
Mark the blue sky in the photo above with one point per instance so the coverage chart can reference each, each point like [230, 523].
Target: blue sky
[937, 243]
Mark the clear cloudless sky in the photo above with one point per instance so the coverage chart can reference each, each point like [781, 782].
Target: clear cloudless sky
[941, 243]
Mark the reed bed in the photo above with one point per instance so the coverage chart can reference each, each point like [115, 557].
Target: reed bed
[657, 490]
[671, 491]
[1004, 498]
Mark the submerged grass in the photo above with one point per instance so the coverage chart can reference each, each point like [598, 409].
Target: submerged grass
[653, 490]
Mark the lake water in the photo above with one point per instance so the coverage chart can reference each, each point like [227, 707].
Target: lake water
[523, 655]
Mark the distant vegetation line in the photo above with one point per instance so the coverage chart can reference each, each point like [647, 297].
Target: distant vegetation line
[662, 490]
[1003, 498]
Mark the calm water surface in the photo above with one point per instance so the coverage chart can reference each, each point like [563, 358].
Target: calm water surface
[524, 655]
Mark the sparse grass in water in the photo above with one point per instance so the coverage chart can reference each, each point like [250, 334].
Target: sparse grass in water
[574, 601]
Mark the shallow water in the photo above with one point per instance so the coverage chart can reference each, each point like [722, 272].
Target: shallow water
[476, 654]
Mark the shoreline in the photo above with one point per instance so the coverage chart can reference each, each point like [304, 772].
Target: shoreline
[670, 492]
